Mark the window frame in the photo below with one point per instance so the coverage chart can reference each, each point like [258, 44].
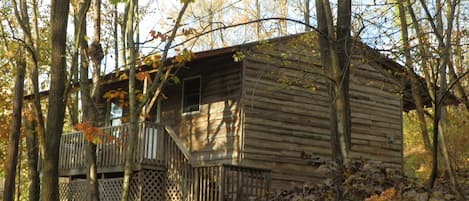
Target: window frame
[110, 118]
[183, 96]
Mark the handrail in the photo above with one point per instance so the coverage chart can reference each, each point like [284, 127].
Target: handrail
[192, 180]
[178, 142]
[151, 148]
[111, 153]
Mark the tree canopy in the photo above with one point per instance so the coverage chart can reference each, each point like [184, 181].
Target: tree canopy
[54, 45]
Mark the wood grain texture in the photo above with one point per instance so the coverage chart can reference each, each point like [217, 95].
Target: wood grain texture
[286, 112]
[272, 108]
[212, 133]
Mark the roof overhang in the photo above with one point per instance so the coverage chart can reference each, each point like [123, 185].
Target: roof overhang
[398, 70]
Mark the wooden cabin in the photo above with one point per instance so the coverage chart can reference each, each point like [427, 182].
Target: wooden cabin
[240, 123]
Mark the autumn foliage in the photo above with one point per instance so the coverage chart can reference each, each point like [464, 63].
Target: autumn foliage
[364, 180]
[93, 134]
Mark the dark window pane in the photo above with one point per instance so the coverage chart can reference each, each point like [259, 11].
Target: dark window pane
[191, 96]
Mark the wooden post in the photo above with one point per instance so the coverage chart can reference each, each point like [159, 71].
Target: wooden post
[221, 183]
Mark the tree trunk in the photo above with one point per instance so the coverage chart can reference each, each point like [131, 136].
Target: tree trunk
[93, 97]
[15, 129]
[306, 15]
[133, 129]
[323, 42]
[415, 84]
[444, 46]
[22, 16]
[32, 153]
[335, 51]
[85, 89]
[32, 141]
[116, 40]
[424, 65]
[343, 48]
[283, 13]
[457, 54]
[123, 43]
[330, 64]
[92, 176]
[419, 107]
[458, 88]
[212, 34]
[450, 169]
[258, 16]
[18, 167]
[56, 100]
[134, 107]
[152, 93]
[334, 48]
[73, 105]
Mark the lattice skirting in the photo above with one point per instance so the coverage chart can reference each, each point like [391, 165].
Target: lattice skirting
[179, 183]
[153, 185]
[144, 185]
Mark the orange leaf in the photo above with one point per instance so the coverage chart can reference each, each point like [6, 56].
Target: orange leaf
[109, 138]
[155, 64]
[91, 134]
[179, 58]
[82, 126]
[152, 33]
[156, 57]
[141, 75]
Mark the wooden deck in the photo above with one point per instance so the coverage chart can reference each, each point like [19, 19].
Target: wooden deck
[164, 170]
[209, 183]
[111, 153]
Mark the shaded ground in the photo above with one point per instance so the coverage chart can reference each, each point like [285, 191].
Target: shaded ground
[368, 181]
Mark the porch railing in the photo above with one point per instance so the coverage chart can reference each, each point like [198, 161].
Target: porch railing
[188, 181]
[229, 182]
[181, 179]
[111, 152]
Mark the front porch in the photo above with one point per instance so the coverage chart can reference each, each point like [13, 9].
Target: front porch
[111, 153]
[163, 169]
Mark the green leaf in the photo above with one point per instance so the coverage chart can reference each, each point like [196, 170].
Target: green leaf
[113, 2]
[176, 79]
[284, 56]
[238, 56]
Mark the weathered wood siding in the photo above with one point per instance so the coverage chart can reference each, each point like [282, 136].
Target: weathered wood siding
[286, 112]
[212, 135]
[376, 110]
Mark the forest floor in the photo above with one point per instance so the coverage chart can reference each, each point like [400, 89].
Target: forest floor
[369, 181]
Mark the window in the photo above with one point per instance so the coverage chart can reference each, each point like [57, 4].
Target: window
[115, 115]
[191, 94]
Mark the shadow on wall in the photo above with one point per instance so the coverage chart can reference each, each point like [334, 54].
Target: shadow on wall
[214, 132]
